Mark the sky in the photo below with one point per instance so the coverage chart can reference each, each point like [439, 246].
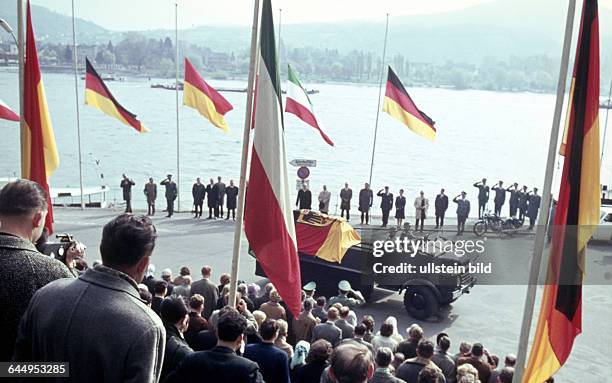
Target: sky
[115, 15]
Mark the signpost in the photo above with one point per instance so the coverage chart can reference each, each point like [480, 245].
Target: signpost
[303, 172]
[299, 162]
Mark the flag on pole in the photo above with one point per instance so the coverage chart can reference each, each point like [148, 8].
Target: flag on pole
[98, 96]
[268, 215]
[298, 103]
[399, 105]
[39, 157]
[202, 97]
[7, 113]
[577, 213]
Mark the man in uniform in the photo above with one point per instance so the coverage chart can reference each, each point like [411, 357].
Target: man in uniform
[523, 199]
[304, 198]
[345, 200]
[346, 296]
[309, 290]
[483, 196]
[441, 205]
[386, 204]
[220, 198]
[500, 197]
[212, 194]
[514, 199]
[150, 191]
[126, 184]
[463, 211]
[171, 194]
[198, 191]
[534, 207]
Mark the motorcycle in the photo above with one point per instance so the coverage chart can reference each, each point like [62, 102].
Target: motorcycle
[488, 222]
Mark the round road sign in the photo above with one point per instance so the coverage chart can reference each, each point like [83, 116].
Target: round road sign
[303, 172]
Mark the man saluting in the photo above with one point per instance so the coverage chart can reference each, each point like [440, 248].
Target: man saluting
[171, 193]
[126, 184]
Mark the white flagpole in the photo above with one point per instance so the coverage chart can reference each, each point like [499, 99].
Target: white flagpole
[176, 90]
[245, 154]
[382, 73]
[21, 54]
[603, 144]
[538, 248]
[280, 18]
[75, 62]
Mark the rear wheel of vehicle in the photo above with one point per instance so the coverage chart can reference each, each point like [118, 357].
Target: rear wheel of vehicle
[480, 228]
[420, 302]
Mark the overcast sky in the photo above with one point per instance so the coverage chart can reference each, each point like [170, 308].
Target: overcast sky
[123, 15]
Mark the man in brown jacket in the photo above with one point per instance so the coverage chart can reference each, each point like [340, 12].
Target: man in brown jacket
[304, 323]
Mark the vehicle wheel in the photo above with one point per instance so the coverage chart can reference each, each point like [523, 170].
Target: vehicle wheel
[420, 302]
[480, 228]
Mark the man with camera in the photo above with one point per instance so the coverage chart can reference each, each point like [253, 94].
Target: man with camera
[67, 250]
[23, 210]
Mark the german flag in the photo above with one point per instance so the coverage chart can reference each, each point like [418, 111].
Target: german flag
[399, 105]
[39, 157]
[98, 96]
[202, 97]
[323, 236]
[577, 213]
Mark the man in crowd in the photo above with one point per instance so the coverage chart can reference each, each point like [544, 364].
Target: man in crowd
[319, 309]
[221, 197]
[171, 194]
[23, 210]
[464, 350]
[212, 193]
[443, 360]
[346, 195]
[304, 323]
[514, 199]
[149, 279]
[386, 204]
[421, 204]
[273, 362]
[126, 184]
[483, 196]
[150, 191]
[533, 207]
[360, 331]
[500, 197]
[441, 205]
[366, 198]
[463, 211]
[272, 308]
[523, 197]
[409, 370]
[208, 290]
[197, 322]
[304, 198]
[346, 296]
[350, 362]
[231, 192]
[175, 319]
[198, 191]
[221, 364]
[160, 289]
[309, 292]
[476, 359]
[409, 346]
[507, 373]
[328, 330]
[324, 198]
[166, 275]
[383, 374]
[347, 329]
[113, 335]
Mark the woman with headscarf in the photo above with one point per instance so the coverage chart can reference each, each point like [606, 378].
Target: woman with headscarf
[299, 357]
[316, 361]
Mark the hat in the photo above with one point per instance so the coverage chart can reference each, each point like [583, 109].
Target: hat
[310, 286]
[463, 192]
[166, 273]
[344, 285]
[168, 175]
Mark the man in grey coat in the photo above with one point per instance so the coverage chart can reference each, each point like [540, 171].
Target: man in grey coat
[208, 290]
[328, 330]
[23, 209]
[98, 323]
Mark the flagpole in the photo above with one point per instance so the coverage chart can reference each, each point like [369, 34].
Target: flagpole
[280, 16]
[245, 154]
[382, 71]
[541, 227]
[76, 101]
[176, 90]
[603, 144]
[20, 52]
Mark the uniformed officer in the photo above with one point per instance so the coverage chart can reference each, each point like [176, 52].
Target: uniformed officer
[309, 290]
[346, 296]
[171, 194]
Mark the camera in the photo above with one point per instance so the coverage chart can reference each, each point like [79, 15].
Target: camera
[59, 249]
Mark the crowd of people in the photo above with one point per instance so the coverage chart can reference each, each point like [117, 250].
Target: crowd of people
[117, 321]
[525, 203]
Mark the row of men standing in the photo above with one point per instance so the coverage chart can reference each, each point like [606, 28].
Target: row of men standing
[525, 202]
[216, 193]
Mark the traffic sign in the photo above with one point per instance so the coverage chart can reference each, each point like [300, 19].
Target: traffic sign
[304, 162]
[303, 172]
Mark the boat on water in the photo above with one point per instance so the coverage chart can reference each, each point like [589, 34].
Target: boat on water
[222, 89]
[108, 78]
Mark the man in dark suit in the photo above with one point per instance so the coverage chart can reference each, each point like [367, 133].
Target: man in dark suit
[533, 207]
[514, 199]
[304, 198]
[273, 362]
[160, 289]
[126, 184]
[220, 197]
[483, 196]
[386, 204]
[171, 193]
[208, 290]
[328, 330]
[441, 205]
[231, 192]
[150, 191]
[500, 197]
[345, 200]
[523, 199]
[347, 329]
[213, 194]
[174, 314]
[221, 364]
[198, 191]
